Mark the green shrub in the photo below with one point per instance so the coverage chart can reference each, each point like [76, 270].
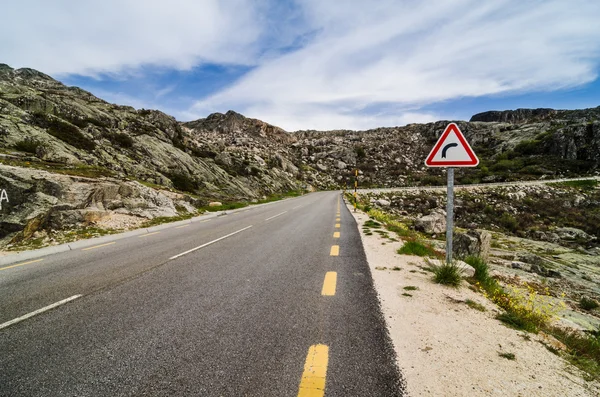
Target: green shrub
[506, 165]
[588, 303]
[447, 274]
[62, 130]
[509, 222]
[183, 182]
[582, 184]
[584, 348]
[529, 148]
[120, 139]
[28, 145]
[360, 152]
[416, 248]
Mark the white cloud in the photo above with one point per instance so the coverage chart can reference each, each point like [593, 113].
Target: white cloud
[351, 64]
[90, 37]
[412, 53]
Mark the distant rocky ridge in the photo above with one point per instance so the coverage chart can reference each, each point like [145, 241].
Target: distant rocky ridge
[45, 125]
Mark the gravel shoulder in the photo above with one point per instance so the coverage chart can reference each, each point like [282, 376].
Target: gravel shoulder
[444, 347]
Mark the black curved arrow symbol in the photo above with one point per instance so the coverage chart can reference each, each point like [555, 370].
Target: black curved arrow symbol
[445, 149]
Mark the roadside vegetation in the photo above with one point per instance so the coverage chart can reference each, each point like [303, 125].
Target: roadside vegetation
[58, 168]
[526, 308]
[413, 242]
[417, 248]
[241, 204]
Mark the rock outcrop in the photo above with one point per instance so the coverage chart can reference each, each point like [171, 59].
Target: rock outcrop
[473, 242]
[40, 200]
[226, 157]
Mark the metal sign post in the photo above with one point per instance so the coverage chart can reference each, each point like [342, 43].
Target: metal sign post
[451, 150]
[450, 215]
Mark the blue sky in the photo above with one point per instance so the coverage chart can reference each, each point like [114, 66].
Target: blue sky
[313, 64]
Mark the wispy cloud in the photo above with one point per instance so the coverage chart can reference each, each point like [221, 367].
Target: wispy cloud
[314, 63]
[409, 54]
[118, 36]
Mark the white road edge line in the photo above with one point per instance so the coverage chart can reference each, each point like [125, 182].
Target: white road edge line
[38, 311]
[268, 219]
[298, 206]
[209, 243]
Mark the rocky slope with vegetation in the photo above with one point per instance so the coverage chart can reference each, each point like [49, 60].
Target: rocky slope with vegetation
[532, 250]
[54, 137]
[543, 234]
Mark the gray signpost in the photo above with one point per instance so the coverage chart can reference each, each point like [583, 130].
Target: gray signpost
[451, 150]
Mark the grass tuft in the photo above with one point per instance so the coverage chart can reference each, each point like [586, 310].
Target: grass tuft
[411, 288]
[474, 305]
[447, 274]
[508, 356]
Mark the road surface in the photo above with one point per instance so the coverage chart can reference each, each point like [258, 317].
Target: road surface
[276, 300]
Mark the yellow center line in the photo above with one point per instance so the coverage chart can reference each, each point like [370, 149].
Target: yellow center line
[149, 234]
[21, 264]
[336, 234]
[329, 284]
[315, 372]
[337, 225]
[338, 220]
[335, 250]
[181, 227]
[98, 246]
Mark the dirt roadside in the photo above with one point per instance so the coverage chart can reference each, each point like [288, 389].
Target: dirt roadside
[446, 348]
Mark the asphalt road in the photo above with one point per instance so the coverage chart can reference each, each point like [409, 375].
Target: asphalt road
[265, 305]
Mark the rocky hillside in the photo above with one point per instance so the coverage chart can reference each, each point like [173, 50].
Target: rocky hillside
[512, 145]
[53, 137]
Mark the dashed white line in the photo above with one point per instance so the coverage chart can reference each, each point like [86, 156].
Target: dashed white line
[38, 311]
[209, 243]
[275, 216]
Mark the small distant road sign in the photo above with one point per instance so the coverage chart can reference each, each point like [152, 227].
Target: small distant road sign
[452, 150]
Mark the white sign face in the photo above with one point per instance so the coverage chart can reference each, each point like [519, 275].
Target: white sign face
[452, 150]
[3, 197]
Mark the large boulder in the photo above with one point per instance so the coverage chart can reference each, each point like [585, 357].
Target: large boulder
[474, 242]
[40, 200]
[434, 223]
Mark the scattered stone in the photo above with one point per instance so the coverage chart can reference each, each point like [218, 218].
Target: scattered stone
[518, 265]
[382, 203]
[434, 223]
[215, 204]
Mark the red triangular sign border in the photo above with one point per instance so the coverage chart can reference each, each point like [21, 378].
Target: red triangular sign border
[452, 127]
